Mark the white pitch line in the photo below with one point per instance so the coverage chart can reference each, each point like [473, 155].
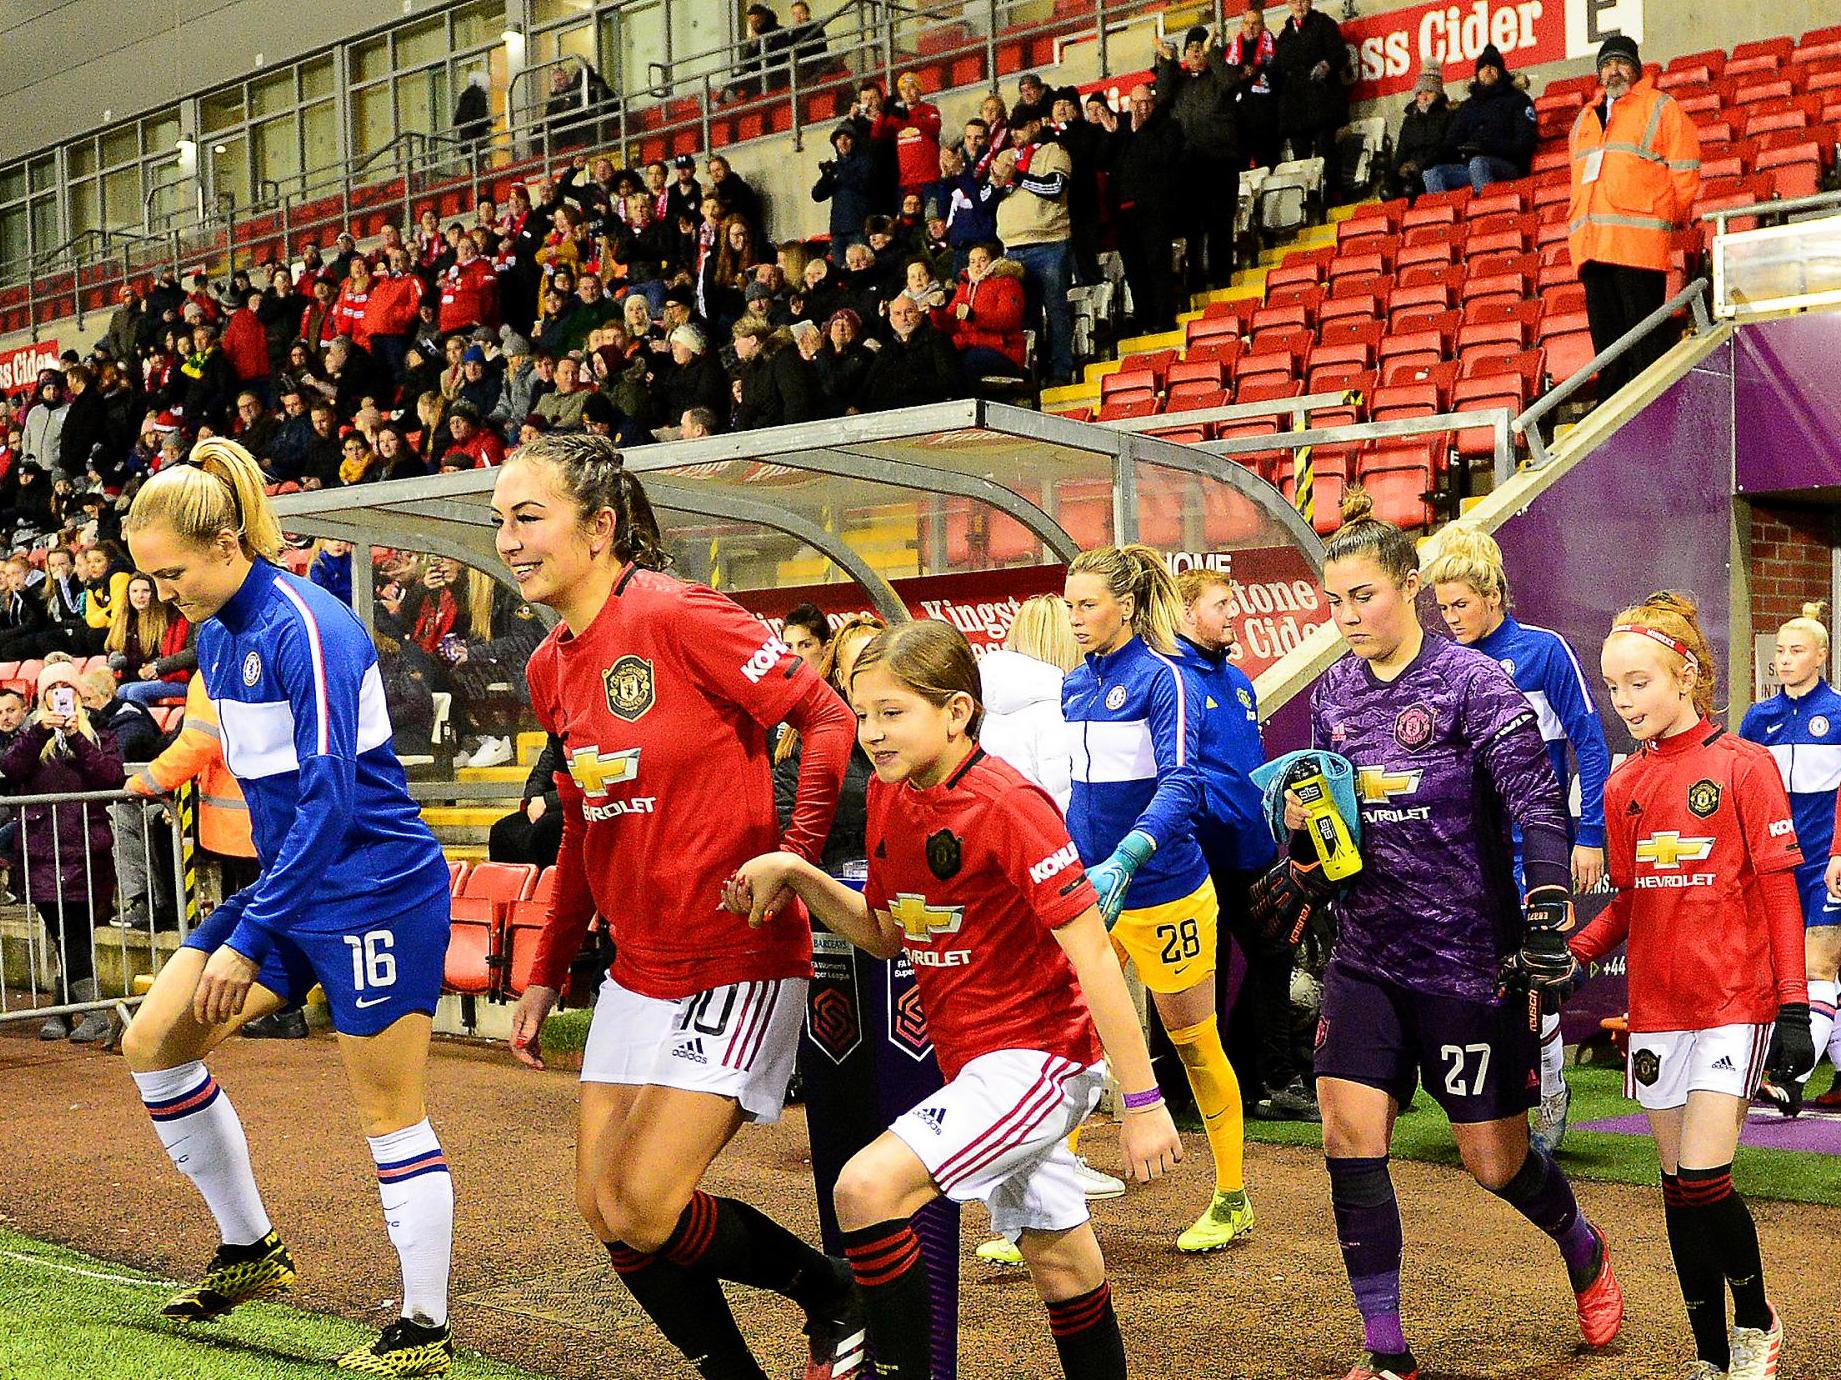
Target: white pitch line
[44, 1264]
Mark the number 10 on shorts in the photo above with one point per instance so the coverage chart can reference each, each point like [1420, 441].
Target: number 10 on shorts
[373, 965]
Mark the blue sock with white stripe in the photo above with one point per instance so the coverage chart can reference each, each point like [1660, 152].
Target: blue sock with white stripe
[418, 1197]
[202, 1133]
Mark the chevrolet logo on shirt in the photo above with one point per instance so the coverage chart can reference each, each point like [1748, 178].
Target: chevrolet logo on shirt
[595, 771]
[1666, 850]
[921, 922]
[1379, 785]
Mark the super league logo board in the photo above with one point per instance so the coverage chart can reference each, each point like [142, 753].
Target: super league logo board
[831, 1020]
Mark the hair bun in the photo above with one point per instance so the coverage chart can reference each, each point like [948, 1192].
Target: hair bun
[1357, 506]
[1814, 609]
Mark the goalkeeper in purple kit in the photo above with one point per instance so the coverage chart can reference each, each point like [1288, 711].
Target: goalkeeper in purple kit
[1438, 962]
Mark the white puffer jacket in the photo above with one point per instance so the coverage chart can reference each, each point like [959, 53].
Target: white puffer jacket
[1022, 720]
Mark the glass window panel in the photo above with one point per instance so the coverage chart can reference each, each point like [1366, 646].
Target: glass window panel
[272, 94]
[371, 59]
[121, 146]
[167, 192]
[160, 132]
[221, 111]
[478, 24]
[320, 134]
[85, 207]
[230, 170]
[121, 198]
[82, 159]
[642, 42]
[316, 78]
[372, 118]
[43, 173]
[13, 247]
[13, 183]
[416, 104]
[275, 150]
[45, 232]
[577, 42]
[549, 11]
[419, 43]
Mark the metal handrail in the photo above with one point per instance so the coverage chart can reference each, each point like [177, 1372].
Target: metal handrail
[1819, 201]
[1528, 423]
[1495, 418]
[1230, 412]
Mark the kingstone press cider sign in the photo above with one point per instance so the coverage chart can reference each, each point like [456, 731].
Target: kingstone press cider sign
[20, 365]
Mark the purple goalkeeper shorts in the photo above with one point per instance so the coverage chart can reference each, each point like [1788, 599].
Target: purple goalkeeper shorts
[1476, 1059]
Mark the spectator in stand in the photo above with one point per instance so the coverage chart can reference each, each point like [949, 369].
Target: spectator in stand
[22, 614]
[914, 125]
[987, 316]
[479, 385]
[137, 735]
[777, 385]
[1635, 174]
[125, 322]
[1034, 226]
[876, 137]
[1423, 130]
[518, 382]
[575, 97]
[85, 438]
[915, 365]
[324, 452]
[332, 568]
[255, 426]
[561, 408]
[726, 273]
[286, 456]
[65, 627]
[319, 323]
[1146, 176]
[684, 197]
[533, 833]
[280, 314]
[210, 383]
[848, 182]
[995, 117]
[695, 380]
[764, 54]
[391, 312]
[396, 458]
[246, 346]
[649, 251]
[469, 291]
[1491, 136]
[1249, 54]
[1031, 90]
[971, 202]
[843, 364]
[697, 423]
[477, 445]
[348, 307]
[1201, 90]
[150, 645]
[71, 879]
[472, 115]
[44, 428]
[1084, 142]
[1310, 66]
[928, 293]
[735, 194]
[805, 40]
[351, 376]
[602, 416]
[358, 462]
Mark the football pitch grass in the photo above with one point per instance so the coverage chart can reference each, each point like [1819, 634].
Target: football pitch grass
[1598, 1094]
[65, 1316]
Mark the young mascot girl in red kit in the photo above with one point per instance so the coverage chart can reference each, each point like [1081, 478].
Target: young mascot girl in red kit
[972, 872]
[1702, 851]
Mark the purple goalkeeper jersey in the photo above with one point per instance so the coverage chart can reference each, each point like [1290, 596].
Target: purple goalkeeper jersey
[1447, 755]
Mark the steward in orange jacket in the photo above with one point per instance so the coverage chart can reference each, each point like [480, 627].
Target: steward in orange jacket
[1635, 174]
[198, 752]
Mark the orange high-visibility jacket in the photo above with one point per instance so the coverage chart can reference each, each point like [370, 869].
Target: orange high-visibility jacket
[1647, 180]
[223, 815]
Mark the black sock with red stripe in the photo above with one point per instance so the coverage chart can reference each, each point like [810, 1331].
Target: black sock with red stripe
[1087, 1335]
[688, 1307]
[737, 1242]
[886, 1260]
[1703, 1287]
[1726, 1223]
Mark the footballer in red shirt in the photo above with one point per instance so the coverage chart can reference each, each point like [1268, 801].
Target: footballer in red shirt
[1701, 847]
[971, 872]
[662, 694]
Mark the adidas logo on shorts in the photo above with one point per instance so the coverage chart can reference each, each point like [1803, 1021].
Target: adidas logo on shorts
[1724, 1064]
[691, 1049]
[935, 1117]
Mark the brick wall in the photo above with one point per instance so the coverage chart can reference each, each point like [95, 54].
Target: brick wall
[1792, 560]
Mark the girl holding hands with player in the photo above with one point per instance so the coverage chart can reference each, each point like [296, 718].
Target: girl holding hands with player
[1704, 855]
[972, 872]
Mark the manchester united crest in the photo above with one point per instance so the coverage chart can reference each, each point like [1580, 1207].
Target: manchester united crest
[1413, 727]
[1703, 798]
[1646, 1065]
[943, 854]
[629, 687]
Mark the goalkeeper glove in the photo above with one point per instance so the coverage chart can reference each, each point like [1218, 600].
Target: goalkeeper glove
[1793, 1053]
[1111, 877]
[1543, 967]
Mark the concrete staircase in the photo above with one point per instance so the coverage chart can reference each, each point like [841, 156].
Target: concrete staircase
[463, 828]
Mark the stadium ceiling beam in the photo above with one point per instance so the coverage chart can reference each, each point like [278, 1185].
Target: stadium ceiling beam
[397, 530]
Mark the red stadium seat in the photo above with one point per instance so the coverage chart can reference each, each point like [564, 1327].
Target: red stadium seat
[1288, 274]
[1223, 350]
[1207, 371]
[1266, 367]
[1358, 260]
[1795, 169]
[1128, 382]
[456, 876]
[1355, 342]
[1127, 406]
[1504, 390]
[1205, 329]
[1276, 321]
[1400, 475]
[1191, 397]
[1156, 361]
[1396, 402]
[1441, 252]
[1363, 307]
[1567, 339]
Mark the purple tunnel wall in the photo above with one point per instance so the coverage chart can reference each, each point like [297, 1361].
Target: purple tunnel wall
[1788, 411]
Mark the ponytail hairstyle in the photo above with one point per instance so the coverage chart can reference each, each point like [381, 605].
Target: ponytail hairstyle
[1364, 534]
[592, 472]
[859, 627]
[1810, 625]
[1138, 571]
[1468, 555]
[1040, 630]
[218, 490]
[1672, 621]
[482, 601]
[932, 659]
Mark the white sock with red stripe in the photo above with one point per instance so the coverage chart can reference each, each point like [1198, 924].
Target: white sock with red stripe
[202, 1133]
[418, 1197]
[1822, 1017]
[1553, 1056]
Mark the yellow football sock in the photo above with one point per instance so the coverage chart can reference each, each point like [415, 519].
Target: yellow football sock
[1217, 1098]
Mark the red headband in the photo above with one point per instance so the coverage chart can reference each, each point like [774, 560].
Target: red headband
[1675, 645]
